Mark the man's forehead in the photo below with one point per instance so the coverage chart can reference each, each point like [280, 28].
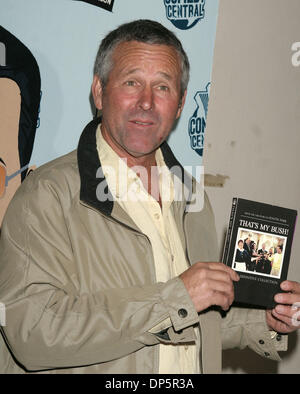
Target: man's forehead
[129, 56]
[137, 70]
[137, 47]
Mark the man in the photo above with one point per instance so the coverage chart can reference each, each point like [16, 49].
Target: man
[263, 264]
[94, 281]
[248, 254]
[276, 261]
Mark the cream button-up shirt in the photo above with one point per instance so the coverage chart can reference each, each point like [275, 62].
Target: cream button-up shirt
[159, 226]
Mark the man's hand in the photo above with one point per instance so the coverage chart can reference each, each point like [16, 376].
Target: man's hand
[285, 317]
[210, 284]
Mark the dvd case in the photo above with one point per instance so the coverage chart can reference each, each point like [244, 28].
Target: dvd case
[258, 246]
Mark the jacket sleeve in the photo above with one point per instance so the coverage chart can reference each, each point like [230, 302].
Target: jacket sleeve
[245, 327]
[49, 324]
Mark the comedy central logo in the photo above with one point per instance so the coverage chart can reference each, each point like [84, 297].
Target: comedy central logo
[184, 14]
[197, 122]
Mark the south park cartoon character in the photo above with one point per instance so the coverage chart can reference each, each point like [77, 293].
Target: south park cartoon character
[20, 92]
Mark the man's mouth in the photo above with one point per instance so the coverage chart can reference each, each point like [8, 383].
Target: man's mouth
[142, 123]
[138, 122]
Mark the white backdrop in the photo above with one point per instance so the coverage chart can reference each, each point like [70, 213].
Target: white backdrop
[64, 36]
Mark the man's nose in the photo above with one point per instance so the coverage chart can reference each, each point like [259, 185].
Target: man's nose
[146, 99]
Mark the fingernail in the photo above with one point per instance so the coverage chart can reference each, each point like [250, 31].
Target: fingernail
[279, 308]
[278, 298]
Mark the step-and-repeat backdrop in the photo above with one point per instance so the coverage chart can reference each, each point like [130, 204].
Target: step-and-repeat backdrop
[63, 37]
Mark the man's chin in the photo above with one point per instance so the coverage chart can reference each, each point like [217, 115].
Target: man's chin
[140, 152]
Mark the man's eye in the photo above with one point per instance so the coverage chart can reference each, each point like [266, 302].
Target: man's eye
[163, 88]
[130, 83]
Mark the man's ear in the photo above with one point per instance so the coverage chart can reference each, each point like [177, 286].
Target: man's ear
[181, 104]
[97, 92]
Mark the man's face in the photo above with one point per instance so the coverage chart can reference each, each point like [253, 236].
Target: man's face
[141, 99]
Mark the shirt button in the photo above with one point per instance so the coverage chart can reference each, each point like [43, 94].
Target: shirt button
[182, 313]
[278, 337]
[267, 354]
[157, 216]
[261, 342]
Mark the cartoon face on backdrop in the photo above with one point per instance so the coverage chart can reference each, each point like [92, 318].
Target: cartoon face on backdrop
[19, 108]
[10, 106]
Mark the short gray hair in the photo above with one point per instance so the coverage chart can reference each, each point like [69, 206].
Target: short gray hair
[142, 30]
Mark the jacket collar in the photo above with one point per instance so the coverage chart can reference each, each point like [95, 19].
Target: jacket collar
[91, 174]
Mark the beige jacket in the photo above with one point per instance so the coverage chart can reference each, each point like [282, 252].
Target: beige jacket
[78, 283]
